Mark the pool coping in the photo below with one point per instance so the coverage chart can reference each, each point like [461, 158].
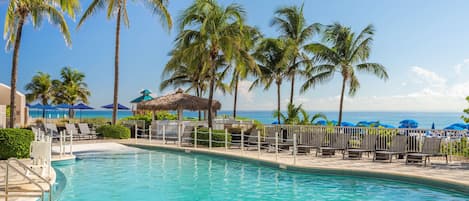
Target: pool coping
[439, 183]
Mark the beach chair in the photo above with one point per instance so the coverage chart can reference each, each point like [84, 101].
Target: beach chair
[314, 141]
[367, 145]
[338, 142]
[253, 140]
[52, 131]
[431, 148]
[186, 138]
[72, 130]
[398, 146]
[85, 130]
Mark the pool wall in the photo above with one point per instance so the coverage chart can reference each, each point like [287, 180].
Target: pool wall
[430, 182]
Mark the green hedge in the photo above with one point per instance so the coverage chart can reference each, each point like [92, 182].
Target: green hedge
[217, 135]
[15, 142]
[114, 131]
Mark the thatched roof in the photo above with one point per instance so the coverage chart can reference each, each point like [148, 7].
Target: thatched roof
[178, 100]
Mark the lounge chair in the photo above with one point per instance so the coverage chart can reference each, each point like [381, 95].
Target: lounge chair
[398, 146]
[338, 142]
[367, 145]
[431, 148]
[253, 140]
[186, 137]
[314, 142]
[51, 130]
[72, 130]
[85, 130]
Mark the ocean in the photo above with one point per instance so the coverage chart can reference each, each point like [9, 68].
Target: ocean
[425, 119]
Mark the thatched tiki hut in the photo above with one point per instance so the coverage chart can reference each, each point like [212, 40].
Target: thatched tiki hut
[178, 101]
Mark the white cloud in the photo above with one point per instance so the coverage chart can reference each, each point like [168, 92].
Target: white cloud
[458, 67]
[427, 77]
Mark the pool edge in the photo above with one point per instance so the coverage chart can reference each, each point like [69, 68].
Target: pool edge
[443, 184]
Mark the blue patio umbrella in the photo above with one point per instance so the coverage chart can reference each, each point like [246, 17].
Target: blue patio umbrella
[433, 125]
[334, 122]
[460, 125]
[363, 124]
[347, 124]
[119, 106]
[454, 128]
[408, 123]
[275, 122]
[82, 106]
[63, 106]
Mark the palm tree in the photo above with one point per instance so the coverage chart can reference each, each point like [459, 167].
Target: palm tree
[71, 89]
[291, 23]
[209, 27]
[293, 114]
[118, 9]
[272, 57]
[244, 63]
[347, 54]
[17, 14]
[40, 88]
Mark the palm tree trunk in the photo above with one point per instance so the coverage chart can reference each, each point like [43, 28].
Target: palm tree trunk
[198, 95]
[278, 102]
[235, 95]
[341, 101]
[116, 65]
[292, 92]
[210, 96]
[14, 71]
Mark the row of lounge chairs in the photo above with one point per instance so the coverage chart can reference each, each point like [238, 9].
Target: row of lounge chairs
[82, 132]
[354, 148]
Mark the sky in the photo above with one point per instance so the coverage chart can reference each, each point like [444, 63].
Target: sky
[422, 43]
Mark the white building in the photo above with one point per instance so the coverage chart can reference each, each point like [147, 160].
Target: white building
[20, 102]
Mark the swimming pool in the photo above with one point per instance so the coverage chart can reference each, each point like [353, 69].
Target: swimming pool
[167, 175]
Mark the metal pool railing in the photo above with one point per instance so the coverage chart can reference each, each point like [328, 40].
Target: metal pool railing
[293, 138]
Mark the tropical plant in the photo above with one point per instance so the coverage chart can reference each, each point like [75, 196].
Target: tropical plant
[244, 63]
[466, 118]
[40, 88]
[318, 116]
[291, 23]
[272, 56]
[71, 89]
[118, 9]
[292, 115]
[210, 33]
[347, 54]
[17, 14]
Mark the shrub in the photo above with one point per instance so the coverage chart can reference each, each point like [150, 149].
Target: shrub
[218, 137]
[114, 131]
[15, 142]
[144, 117]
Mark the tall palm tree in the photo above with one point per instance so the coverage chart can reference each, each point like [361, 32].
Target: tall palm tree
[346, 53]
[243, 63]
[291, 23]
[71, 89]
[40, 88]
[118, 9]
[17, 14]
[272, 57]
[209, 27]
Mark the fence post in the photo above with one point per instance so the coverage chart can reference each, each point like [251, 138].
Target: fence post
[164, 134]
[195, 137]
[259, 144]
[149, 133]
[71, 143]
[61, 143]
[136, 130]
[179, 134]
[276, 146]
[210, 138]
[226, 139]
[294, 148]
[242, 141]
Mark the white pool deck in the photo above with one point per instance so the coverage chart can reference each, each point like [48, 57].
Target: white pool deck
[457, 172]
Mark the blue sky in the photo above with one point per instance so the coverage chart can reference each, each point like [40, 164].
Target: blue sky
[423, 44]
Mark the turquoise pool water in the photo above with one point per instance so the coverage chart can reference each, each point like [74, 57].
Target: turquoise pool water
[164, 175]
